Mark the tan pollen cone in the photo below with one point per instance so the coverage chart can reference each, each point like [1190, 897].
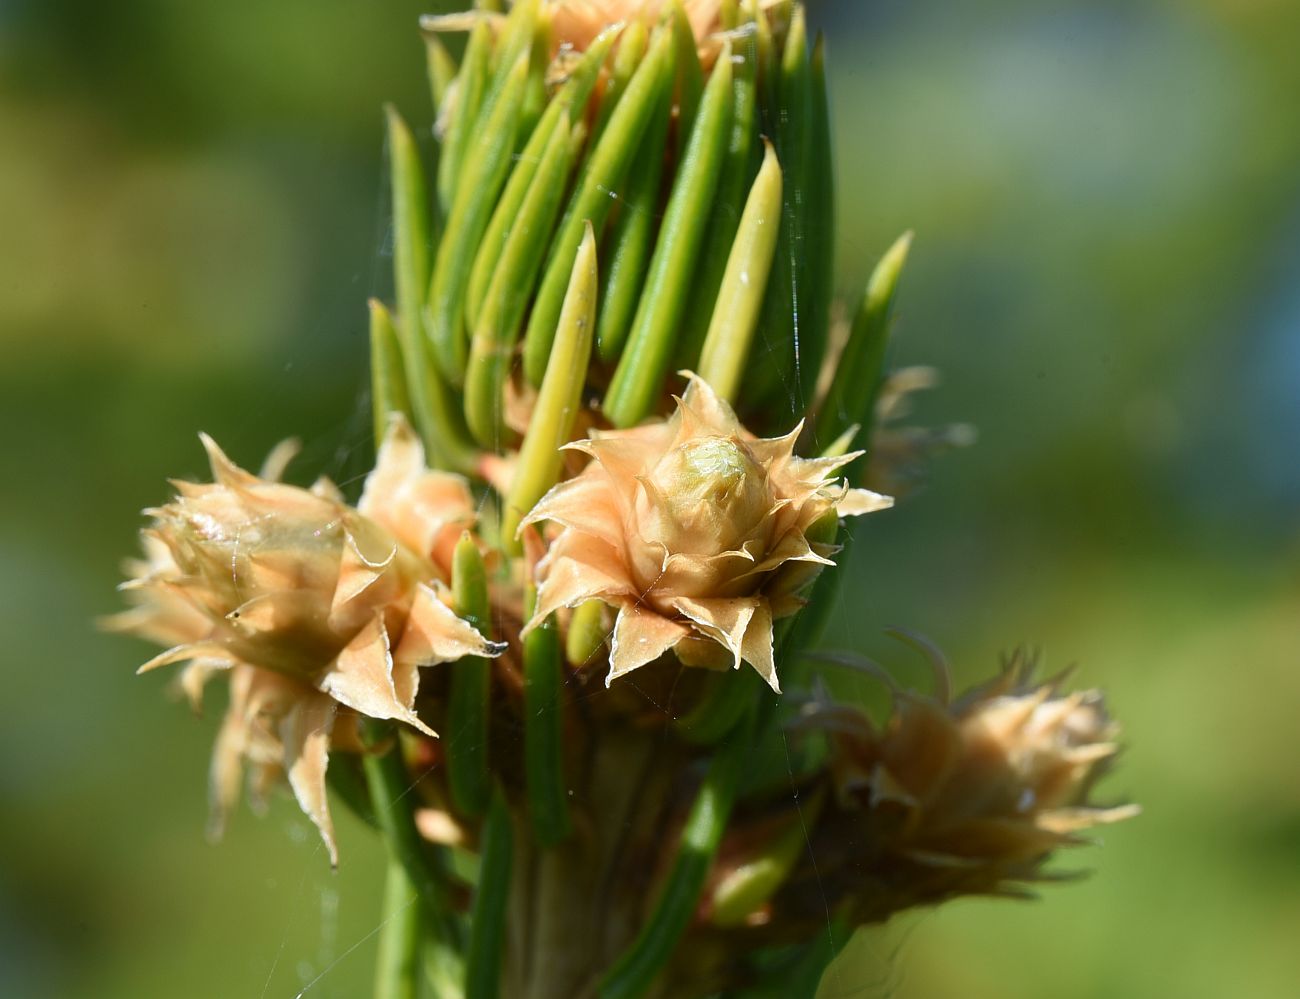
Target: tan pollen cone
[320, 612]
[698, 532]
[973, 797]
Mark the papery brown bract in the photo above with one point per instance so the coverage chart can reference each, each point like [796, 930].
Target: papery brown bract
[320, 612]
[698, 532]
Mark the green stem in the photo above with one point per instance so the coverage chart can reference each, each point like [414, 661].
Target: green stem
[605, 171]
[587, 634]
[387, 374]
[544, 732]
[472, 82]
[636, 971]
[429, 401]
[819, 241]
[483, 175]
[441, 70]
[411, 236]
[733, 186]
[630, 237]
[398, 963]
[488, 928]
[753, 883]
[638, 380]
[690, 74]
[497, 325]
[774, 385]
[720, 709]
[390, 794]
[468, 703]
[725, 355]
[551, 426]
[631, 51]
[570, 101]
[515, 41]
[860, 369]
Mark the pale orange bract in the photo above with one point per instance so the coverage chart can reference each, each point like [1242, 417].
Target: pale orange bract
[698, 532]
[311, 605]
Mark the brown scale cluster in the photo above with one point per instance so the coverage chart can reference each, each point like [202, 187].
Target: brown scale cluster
[319, 612]
[972, 797]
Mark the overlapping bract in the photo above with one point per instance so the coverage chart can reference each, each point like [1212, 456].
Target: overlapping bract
[321, 612]
[699, 533]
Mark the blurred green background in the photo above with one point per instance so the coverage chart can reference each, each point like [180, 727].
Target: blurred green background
[1106, 197]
